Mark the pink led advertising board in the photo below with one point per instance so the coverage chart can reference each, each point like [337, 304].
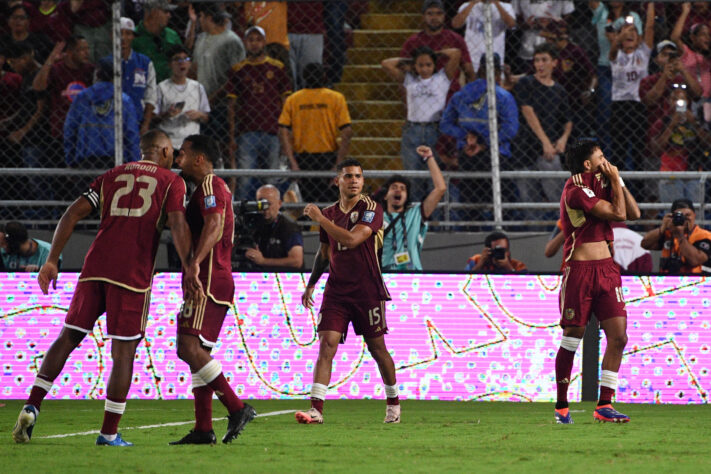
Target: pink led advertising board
[452, 336]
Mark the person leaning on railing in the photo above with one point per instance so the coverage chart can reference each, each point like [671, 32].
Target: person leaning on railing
[685, 246]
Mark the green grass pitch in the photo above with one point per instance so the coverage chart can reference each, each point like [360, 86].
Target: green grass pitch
[433, 437]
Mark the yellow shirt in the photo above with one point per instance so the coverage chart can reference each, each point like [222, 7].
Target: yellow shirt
[315, 117]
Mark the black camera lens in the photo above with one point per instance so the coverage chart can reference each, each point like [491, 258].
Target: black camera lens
[499, 253]
[678, 218]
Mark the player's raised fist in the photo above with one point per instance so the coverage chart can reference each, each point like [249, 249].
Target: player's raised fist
[313, 212]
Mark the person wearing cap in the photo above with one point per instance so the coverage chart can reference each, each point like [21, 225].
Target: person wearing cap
[532, 16]
[466, 118]
[182, 106]
[471, 16]
[685, 246]
[654, 90]
[138, 76]
[154, 38]
[20, 253]
[256, 90]
[575, 73]
[696, 56]
[89, 127]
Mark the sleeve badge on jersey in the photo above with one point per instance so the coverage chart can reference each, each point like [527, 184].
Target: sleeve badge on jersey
[210, 202]
[589, 192]
[368, 216]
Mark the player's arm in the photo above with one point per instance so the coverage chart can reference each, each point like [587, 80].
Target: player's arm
[321, 262]
[181, 239]
[554, 245]
[631, 207]
[77, 211]
[210, 235]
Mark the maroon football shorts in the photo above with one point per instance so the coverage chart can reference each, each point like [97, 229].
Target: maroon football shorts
[592, 286]
[203, 320]
[126, 310]
[368, 317]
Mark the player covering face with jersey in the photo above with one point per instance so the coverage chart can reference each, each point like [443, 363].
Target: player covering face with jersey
[592, 197]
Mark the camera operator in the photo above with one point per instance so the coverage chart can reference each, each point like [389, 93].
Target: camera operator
[280, 246]
[685, 246]
[495, 257]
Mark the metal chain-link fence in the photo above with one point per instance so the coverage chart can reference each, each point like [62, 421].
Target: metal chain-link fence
[297, 86]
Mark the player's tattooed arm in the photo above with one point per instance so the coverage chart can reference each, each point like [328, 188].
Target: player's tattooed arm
[320, 264]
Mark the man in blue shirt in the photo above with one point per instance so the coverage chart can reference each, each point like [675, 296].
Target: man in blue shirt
[89, 127]
[466, 118]
[405, 222]
[138, 76]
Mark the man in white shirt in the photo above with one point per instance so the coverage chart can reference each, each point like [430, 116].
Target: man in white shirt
[473, 15]
[533, 16]
[182, 103]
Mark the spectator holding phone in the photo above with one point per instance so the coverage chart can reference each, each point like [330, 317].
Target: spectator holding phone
[182, 103]
[679, 140]
[495, 257]
[654, 90]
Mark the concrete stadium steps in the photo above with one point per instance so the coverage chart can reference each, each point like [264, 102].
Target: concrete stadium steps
[378, 128]
[375, 102]
[389, 21]
[366, 56]
[377, 109]
[380, 38]
[364, 73]
[388, 146]
[368, 91]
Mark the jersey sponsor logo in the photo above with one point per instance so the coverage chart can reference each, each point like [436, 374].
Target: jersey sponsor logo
[73, 89]
[569, 313]
[368, 216]
[354, 217]
[139, 77]
[589, 192]
[210, 201]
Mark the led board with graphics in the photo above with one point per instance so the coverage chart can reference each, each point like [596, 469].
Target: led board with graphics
[453, 337]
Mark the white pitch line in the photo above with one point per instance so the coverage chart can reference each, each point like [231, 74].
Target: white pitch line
[161, 425]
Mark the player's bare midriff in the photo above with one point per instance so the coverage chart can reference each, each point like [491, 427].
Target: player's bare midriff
[591, 251]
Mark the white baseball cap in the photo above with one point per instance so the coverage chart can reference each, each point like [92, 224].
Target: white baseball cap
[258, 29]
[127, 24]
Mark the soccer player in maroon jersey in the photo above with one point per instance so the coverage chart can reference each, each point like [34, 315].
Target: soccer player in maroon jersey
[134, 200]
[211, 220]
[351, 243]
[592, 197]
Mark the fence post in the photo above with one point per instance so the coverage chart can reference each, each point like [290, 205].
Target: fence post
[493, 118]
[118, 103]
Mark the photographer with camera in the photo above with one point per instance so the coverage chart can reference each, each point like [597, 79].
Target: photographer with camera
[685, 246]
[277, 243]
[495, 257]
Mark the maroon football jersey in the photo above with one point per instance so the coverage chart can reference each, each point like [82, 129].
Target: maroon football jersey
[133, 199]
[213, 196]
[580, 194]
[354, 274]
